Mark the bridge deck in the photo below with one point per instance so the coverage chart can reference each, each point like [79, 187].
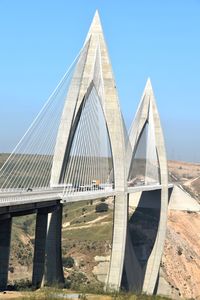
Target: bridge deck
[19, 197]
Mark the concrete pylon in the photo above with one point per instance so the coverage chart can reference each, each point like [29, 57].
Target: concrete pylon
[94, 48]
[146, 107]
[94, 65]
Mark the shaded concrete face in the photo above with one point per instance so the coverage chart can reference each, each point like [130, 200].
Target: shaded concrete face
[142, 231]
[39, 249]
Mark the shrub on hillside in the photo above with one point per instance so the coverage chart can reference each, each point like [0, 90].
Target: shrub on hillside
[76, 280]
[101, 207]
[22, 284]
[68, 262]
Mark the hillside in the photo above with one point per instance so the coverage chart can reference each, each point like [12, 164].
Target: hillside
[87, 237]
[181, 259]
[88, 241]
[188, 175]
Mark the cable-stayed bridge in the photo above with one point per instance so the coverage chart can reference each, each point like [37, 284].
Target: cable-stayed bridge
[77, 149]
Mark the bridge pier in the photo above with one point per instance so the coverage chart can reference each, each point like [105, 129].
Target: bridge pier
[118, 244]
[40, 245]
[5, 237]
[47, 266]
[53, 265]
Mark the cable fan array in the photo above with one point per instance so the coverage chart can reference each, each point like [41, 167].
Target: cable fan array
[89, 164]
[144, 168]
[29, 165]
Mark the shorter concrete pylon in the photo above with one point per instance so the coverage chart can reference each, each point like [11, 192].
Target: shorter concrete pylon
[147, 112]
[5, 237]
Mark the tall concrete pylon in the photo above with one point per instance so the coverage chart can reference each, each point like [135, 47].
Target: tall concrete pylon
[94, 65]
[148, 112]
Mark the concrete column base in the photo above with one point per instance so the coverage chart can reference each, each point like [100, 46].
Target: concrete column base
[53, 263]
[5, 236]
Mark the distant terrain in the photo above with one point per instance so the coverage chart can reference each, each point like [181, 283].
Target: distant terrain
[188, 175]
[87, 239]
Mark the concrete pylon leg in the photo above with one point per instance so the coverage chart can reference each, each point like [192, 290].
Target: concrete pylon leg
[39, 251]
[53, 264]
[118, 244]
[5, 236]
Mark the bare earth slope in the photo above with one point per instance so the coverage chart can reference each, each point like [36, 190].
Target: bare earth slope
[181, 258]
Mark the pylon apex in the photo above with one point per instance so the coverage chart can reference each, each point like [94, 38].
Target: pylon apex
[95, 27]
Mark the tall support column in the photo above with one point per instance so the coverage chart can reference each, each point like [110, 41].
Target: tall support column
[118, 244]
[5, 237]
[39, 250]
[47, 263]
[53, 264]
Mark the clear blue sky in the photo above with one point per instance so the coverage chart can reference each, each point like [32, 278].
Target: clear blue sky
[160, 39]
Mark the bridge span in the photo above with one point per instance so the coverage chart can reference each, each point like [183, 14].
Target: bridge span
[78, 149]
